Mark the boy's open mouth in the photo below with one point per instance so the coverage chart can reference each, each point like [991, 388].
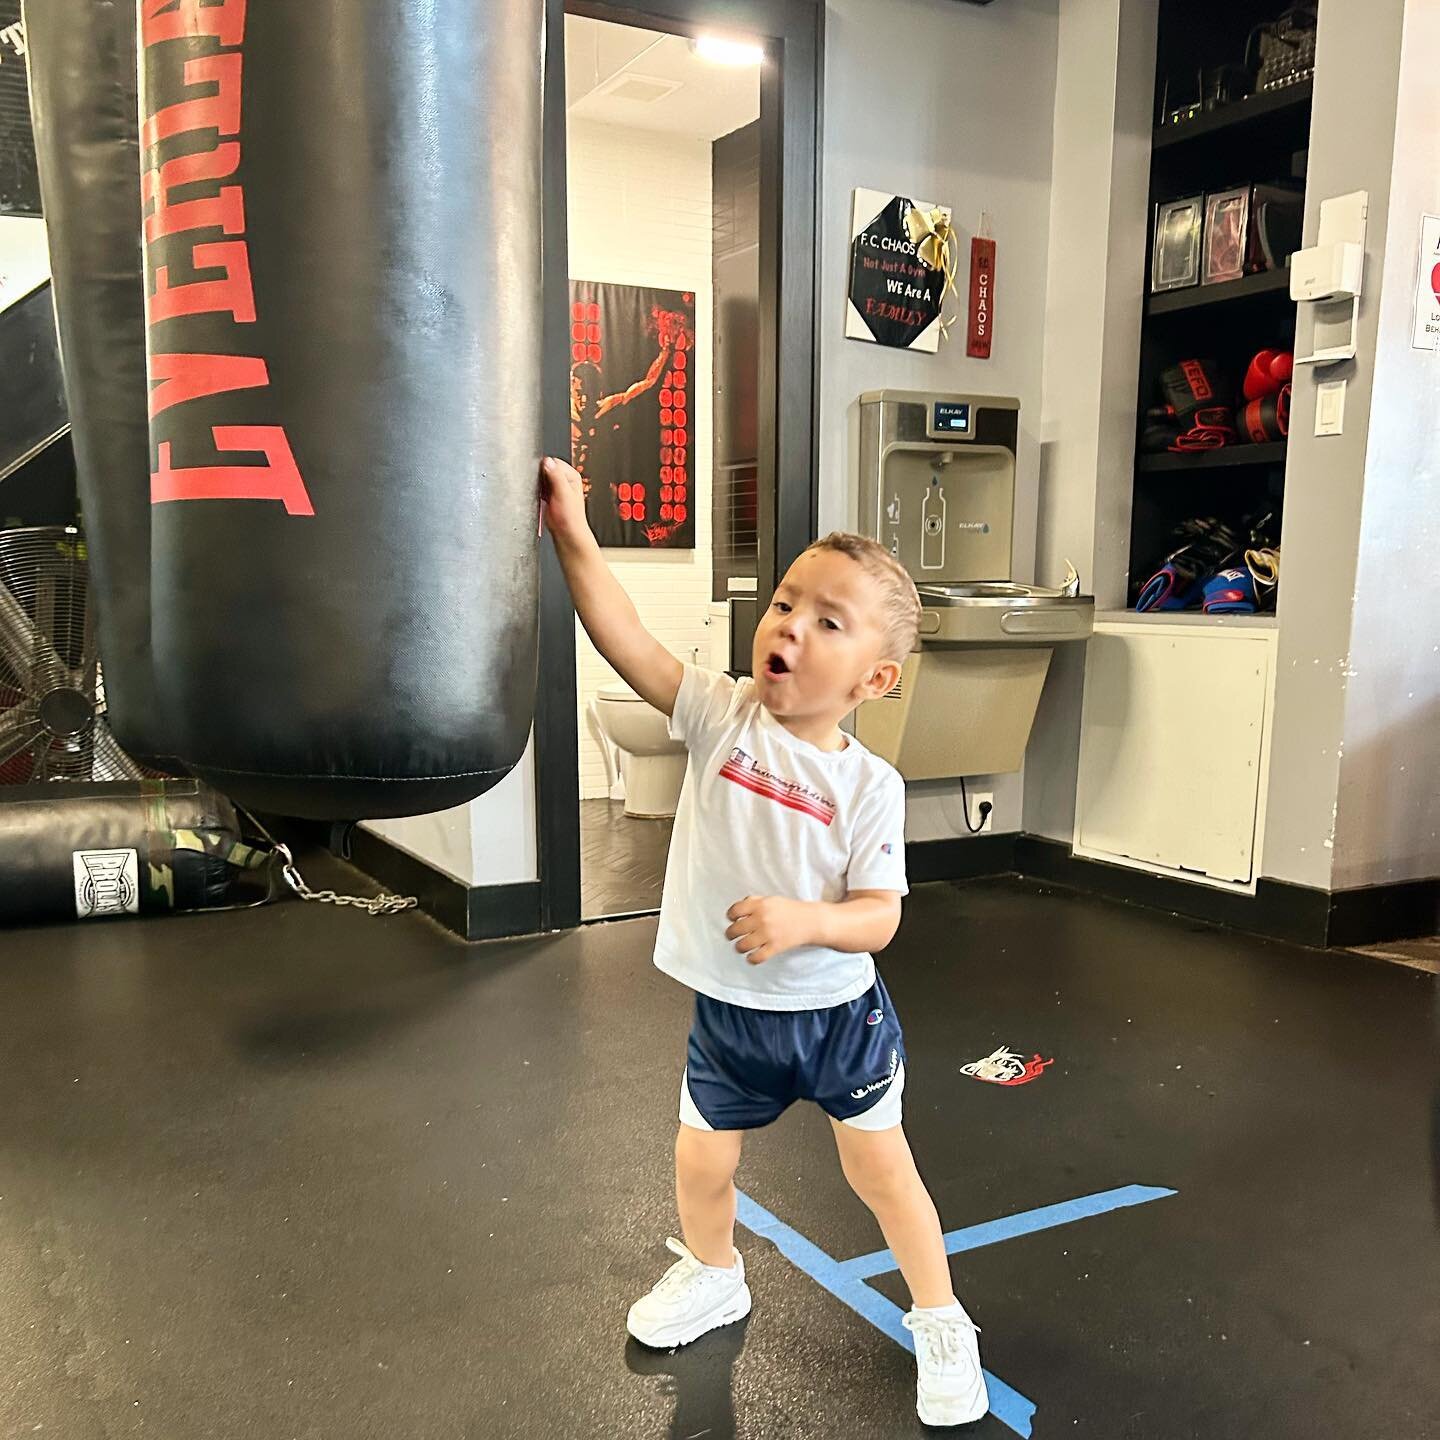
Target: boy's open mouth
[775, 665]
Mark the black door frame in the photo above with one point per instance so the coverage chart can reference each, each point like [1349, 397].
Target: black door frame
[790, 113]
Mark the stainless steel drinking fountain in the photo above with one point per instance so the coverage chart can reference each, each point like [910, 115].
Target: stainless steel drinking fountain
[937, 489]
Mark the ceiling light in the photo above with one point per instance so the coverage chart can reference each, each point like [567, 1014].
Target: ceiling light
[728, 52]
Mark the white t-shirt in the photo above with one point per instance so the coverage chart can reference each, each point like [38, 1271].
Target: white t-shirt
[763, 812]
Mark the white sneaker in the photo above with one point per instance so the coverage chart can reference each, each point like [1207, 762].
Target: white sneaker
[951, 1386]
[690, 1299]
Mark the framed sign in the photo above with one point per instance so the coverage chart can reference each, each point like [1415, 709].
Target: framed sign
[632, 412]
[894, 298]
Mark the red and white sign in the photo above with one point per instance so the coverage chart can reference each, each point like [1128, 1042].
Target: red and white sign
[981, 321]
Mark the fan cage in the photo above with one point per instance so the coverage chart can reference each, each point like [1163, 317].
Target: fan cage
[53, 723]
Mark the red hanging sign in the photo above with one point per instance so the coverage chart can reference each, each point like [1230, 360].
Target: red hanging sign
[981, 323]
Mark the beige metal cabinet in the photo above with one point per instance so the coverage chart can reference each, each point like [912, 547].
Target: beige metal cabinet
[1174, 747]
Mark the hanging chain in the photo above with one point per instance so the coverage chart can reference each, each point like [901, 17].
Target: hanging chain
[382, 904]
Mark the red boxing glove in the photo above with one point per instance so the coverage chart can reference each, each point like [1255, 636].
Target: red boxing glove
[1268, 371]
[1268, 418]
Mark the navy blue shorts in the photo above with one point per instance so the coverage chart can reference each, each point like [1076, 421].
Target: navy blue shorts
[744, 1067]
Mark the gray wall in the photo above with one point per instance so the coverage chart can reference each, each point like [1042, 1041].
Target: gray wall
[1351, 143]
[1099, 205]
[1387, 816]
[953, 104]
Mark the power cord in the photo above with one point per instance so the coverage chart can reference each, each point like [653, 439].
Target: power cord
[985, 808]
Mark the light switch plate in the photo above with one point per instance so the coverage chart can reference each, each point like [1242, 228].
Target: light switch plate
[1330, 407]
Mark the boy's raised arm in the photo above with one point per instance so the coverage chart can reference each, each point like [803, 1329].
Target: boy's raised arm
[604, 608]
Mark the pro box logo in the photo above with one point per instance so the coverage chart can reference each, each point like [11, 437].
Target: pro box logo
[107, 882]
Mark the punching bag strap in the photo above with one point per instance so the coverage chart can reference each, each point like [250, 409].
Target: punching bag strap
[164, 843]
[385, 903]
[243, 857]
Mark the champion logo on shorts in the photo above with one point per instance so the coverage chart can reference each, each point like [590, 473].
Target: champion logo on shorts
[880, 1084]
[874, 1017]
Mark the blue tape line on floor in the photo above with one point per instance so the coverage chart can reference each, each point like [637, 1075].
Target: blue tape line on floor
[1028, 1222]
[1006, 1404]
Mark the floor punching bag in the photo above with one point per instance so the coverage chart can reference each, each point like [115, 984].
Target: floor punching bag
[81, 60]
[341, 210]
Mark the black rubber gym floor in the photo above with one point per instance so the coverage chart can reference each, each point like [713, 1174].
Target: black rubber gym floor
[296, 1174]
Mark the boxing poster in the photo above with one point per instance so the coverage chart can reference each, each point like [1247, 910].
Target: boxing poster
[632, 417]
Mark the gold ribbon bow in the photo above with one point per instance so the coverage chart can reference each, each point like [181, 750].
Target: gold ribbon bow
[933, 237]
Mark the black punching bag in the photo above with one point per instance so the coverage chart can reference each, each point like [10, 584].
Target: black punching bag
[82, 100]
[342, 277]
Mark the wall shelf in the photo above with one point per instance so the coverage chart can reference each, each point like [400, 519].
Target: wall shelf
[1270, 106]
[1262, 139]
[1228, 457]
[1268, 284]
[1184, 620]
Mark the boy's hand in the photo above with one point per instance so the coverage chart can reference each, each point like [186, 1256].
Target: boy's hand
[606, 611]
[763, 926]
[563, 493]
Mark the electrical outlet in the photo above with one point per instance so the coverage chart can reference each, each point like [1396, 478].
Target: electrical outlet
[982, 811]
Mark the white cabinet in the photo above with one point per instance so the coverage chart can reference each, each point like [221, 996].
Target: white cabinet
[1174, 745]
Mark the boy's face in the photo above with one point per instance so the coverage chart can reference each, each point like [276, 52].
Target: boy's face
[817, 652]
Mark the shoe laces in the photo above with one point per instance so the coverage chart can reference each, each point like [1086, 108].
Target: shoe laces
[682, 1273]
[939, 1339]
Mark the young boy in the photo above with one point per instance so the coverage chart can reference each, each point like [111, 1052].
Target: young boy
[786, 870]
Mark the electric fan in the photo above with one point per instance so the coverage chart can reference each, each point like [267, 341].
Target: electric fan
[53, 725]
[54, 728]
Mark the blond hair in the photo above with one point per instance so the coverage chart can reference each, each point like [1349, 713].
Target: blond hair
[899, 619]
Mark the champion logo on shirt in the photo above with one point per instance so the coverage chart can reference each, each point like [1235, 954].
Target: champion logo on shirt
[745, 771]
[887, 848]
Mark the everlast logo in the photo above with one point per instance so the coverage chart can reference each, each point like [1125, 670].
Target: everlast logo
[193, 190]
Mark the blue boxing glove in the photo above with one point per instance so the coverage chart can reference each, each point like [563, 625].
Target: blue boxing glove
[1230, 592]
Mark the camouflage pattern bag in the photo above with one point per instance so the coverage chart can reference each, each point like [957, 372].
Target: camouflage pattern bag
[144, 847]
